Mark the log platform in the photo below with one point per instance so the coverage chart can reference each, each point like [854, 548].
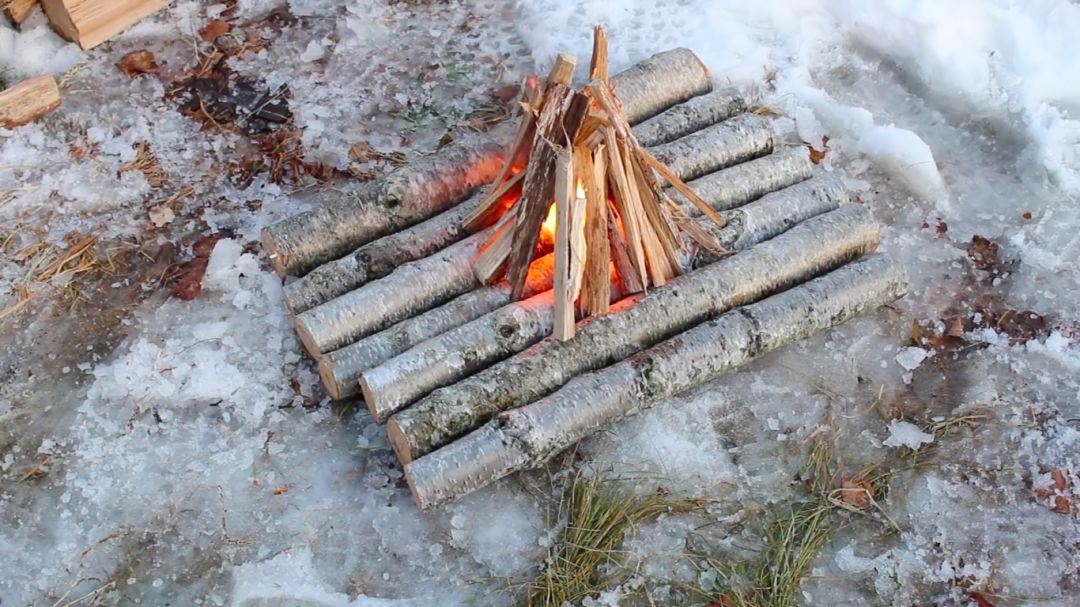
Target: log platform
[474, 382]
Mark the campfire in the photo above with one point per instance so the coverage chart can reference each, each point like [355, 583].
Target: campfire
[585, 189]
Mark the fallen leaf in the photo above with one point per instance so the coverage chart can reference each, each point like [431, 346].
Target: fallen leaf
[856, 494]
[983, 252]
[280, 490]
[189, 286]
[955, 327]
[161, 215]
[137, 63]
[204, 245]
[1062, 505]
[942, 227]
[1060, 483]
[980, 599]
[816, 155]
[1027, 215]
[213, 29]
[1021, 325]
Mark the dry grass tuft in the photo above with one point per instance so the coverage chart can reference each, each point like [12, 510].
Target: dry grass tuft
[597, 518]
[147, 163]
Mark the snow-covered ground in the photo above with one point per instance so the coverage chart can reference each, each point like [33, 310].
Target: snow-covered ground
[155, 450]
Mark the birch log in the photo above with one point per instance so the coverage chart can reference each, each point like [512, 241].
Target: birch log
[732, 141]
[814, 246]
[340, 370]
[529, 436]
[407, 291]
[659, 82]
[406, 196]
[378, 258]
[690, 116]
[440, 361]
[736, 185]
[436, 183]
[418, 286]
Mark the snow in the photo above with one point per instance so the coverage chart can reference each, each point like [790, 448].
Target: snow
[191, 457]
[906, 434]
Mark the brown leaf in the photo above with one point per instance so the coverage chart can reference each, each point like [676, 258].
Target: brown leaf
[955, 327]
[1060, 482]
[137, 63]
[1021, 325]
[213, 29]
[942, 227]
[1062, 505]
[816, 155]
[1027, 215]
[189, 286]
[980, 599]
[282, 490]
[205, 245]
[507, 92]
[983, 252]
[856, 494]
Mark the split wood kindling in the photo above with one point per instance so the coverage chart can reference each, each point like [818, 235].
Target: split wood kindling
[589, 185]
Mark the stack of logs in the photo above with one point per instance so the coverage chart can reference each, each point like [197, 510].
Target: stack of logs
[469, 378]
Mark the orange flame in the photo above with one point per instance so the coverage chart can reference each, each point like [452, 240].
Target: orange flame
[547, 229]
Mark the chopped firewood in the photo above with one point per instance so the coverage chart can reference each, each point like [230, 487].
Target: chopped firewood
[19, 10]
[596, 294]
[594, 124]
[564, 195]
[806, 250]
[28, 100]
[91, 22]
[527, 437]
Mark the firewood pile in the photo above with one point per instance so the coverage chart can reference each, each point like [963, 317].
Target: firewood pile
[686, 235]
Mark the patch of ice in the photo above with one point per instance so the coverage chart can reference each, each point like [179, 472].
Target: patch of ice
[911, 357]
[906, 434]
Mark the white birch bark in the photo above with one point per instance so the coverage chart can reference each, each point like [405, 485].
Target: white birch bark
[528, 436]
[340, 370]
[738, 139]
[690, 116]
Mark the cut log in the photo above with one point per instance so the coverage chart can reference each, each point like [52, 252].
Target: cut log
[28, 100]
[734, 186]
[808, 249]
[398, 382]
[409, 290]
[406, 196]
[690, 117]
[377, 259]
[298, 244]
[529, 436]
[742, 138]
[340, 370]
[91, 22]
[659, 82]
[776, 213]
[19, 10]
